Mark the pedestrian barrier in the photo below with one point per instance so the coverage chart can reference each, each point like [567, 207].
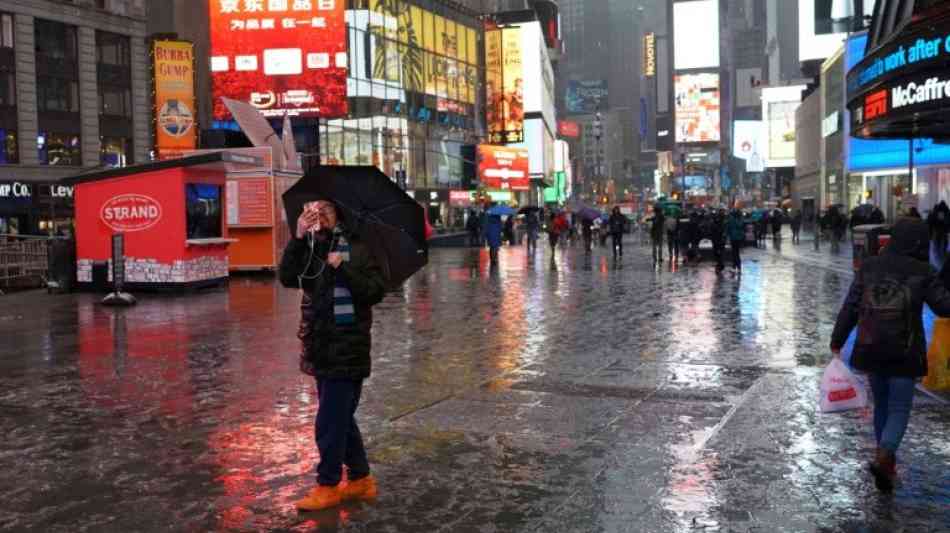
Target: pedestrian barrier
[23, 261]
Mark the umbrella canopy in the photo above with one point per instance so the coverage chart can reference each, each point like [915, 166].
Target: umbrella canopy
[588, 213]
[371, 205]
[501, 210]
[528, 209]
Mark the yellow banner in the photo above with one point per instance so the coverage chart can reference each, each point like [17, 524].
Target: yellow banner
[175, 127]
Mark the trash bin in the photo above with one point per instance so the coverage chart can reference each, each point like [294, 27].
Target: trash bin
[865, 241]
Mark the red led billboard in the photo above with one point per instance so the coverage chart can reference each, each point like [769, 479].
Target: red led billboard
[500, 167]
[279, 55]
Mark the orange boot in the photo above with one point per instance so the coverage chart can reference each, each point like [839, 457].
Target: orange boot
[884, 469]
[361, 489]
[321, 497]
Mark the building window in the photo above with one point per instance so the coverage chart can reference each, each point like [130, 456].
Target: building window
[9, 149]
[59, 149]
[6, 31]
[114, 151]
[7, 89]
[57, 94]
[113, 49]
[55, 40]
[115, 101]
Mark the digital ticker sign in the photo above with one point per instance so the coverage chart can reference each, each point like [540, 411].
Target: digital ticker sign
[902, 89]
[282, 56]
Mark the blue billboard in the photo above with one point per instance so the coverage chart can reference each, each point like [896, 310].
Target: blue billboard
[867, 155]
[586, 96]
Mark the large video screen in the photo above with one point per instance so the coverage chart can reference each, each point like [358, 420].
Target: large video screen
[696, 34]
[697, 108]
[279, 55]
[505, 168]
[586, 96]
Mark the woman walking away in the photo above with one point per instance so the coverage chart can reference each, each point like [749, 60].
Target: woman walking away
[886, 304]
[735, 230]
[671, 242]
[796, 224]
[556, 227]
[657, 228]
[617, 225]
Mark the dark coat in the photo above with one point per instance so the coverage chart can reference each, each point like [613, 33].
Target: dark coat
[331, 350]
[617, 223]
[492, 228]
[905, 261]
[735, 228]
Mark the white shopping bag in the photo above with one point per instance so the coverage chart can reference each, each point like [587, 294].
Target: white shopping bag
[841, 390]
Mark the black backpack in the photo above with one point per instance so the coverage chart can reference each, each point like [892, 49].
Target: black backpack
[886, 321]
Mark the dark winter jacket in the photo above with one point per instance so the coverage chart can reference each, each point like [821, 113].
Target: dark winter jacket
[905, 261]
[939, 220]
[617, 223]
[658, 226]
[331, 350]
[735, 228]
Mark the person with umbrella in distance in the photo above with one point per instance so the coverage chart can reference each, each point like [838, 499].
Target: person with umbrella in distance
[493, 231]
[355, 235]
[340, 282]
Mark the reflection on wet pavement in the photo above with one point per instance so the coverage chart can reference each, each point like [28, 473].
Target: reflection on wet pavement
[563, 393]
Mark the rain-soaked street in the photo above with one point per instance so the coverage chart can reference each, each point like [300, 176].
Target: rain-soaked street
[573, 395]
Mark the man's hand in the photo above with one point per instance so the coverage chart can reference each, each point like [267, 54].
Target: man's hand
[334, 259]
[307, 220]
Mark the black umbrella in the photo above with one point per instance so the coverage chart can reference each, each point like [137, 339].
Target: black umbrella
[528, 209]
[371, 205]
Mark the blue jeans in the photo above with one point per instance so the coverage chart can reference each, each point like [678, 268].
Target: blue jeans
[338, 437]
[893, 399]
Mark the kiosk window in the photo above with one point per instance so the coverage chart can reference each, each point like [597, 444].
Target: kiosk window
[203, 204]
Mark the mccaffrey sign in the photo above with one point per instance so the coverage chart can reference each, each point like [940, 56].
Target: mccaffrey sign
[901, 89]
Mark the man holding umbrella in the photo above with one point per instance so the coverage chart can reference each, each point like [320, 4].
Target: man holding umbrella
[356, 233]
[340, 282]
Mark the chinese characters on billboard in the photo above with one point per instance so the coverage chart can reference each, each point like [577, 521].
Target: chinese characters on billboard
[174, 77]
[500, 167]
[697, 108]
[504, 87]
[279, 55]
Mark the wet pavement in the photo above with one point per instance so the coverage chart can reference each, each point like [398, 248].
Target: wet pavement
[568, 395]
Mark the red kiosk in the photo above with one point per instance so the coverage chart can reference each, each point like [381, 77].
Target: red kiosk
[172, 215]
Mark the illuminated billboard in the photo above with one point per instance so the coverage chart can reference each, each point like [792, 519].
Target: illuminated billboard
[173, 68]
[586, 96]
[778, 111]
[697, 108]
[696, 34]
[502, 167]
[746, 137]
[504, 85]
[282, 56]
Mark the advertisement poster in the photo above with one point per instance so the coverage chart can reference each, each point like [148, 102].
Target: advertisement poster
[781, 130]
[279, 55]
[174, 77]
[567, 128]
[503, 168]
[745, 138]
[697, 108]
[504, 85]
[586, 96]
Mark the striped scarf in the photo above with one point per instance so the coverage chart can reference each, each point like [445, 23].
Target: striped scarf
[343, 311]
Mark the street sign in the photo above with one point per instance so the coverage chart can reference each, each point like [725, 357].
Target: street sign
[118, 261]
